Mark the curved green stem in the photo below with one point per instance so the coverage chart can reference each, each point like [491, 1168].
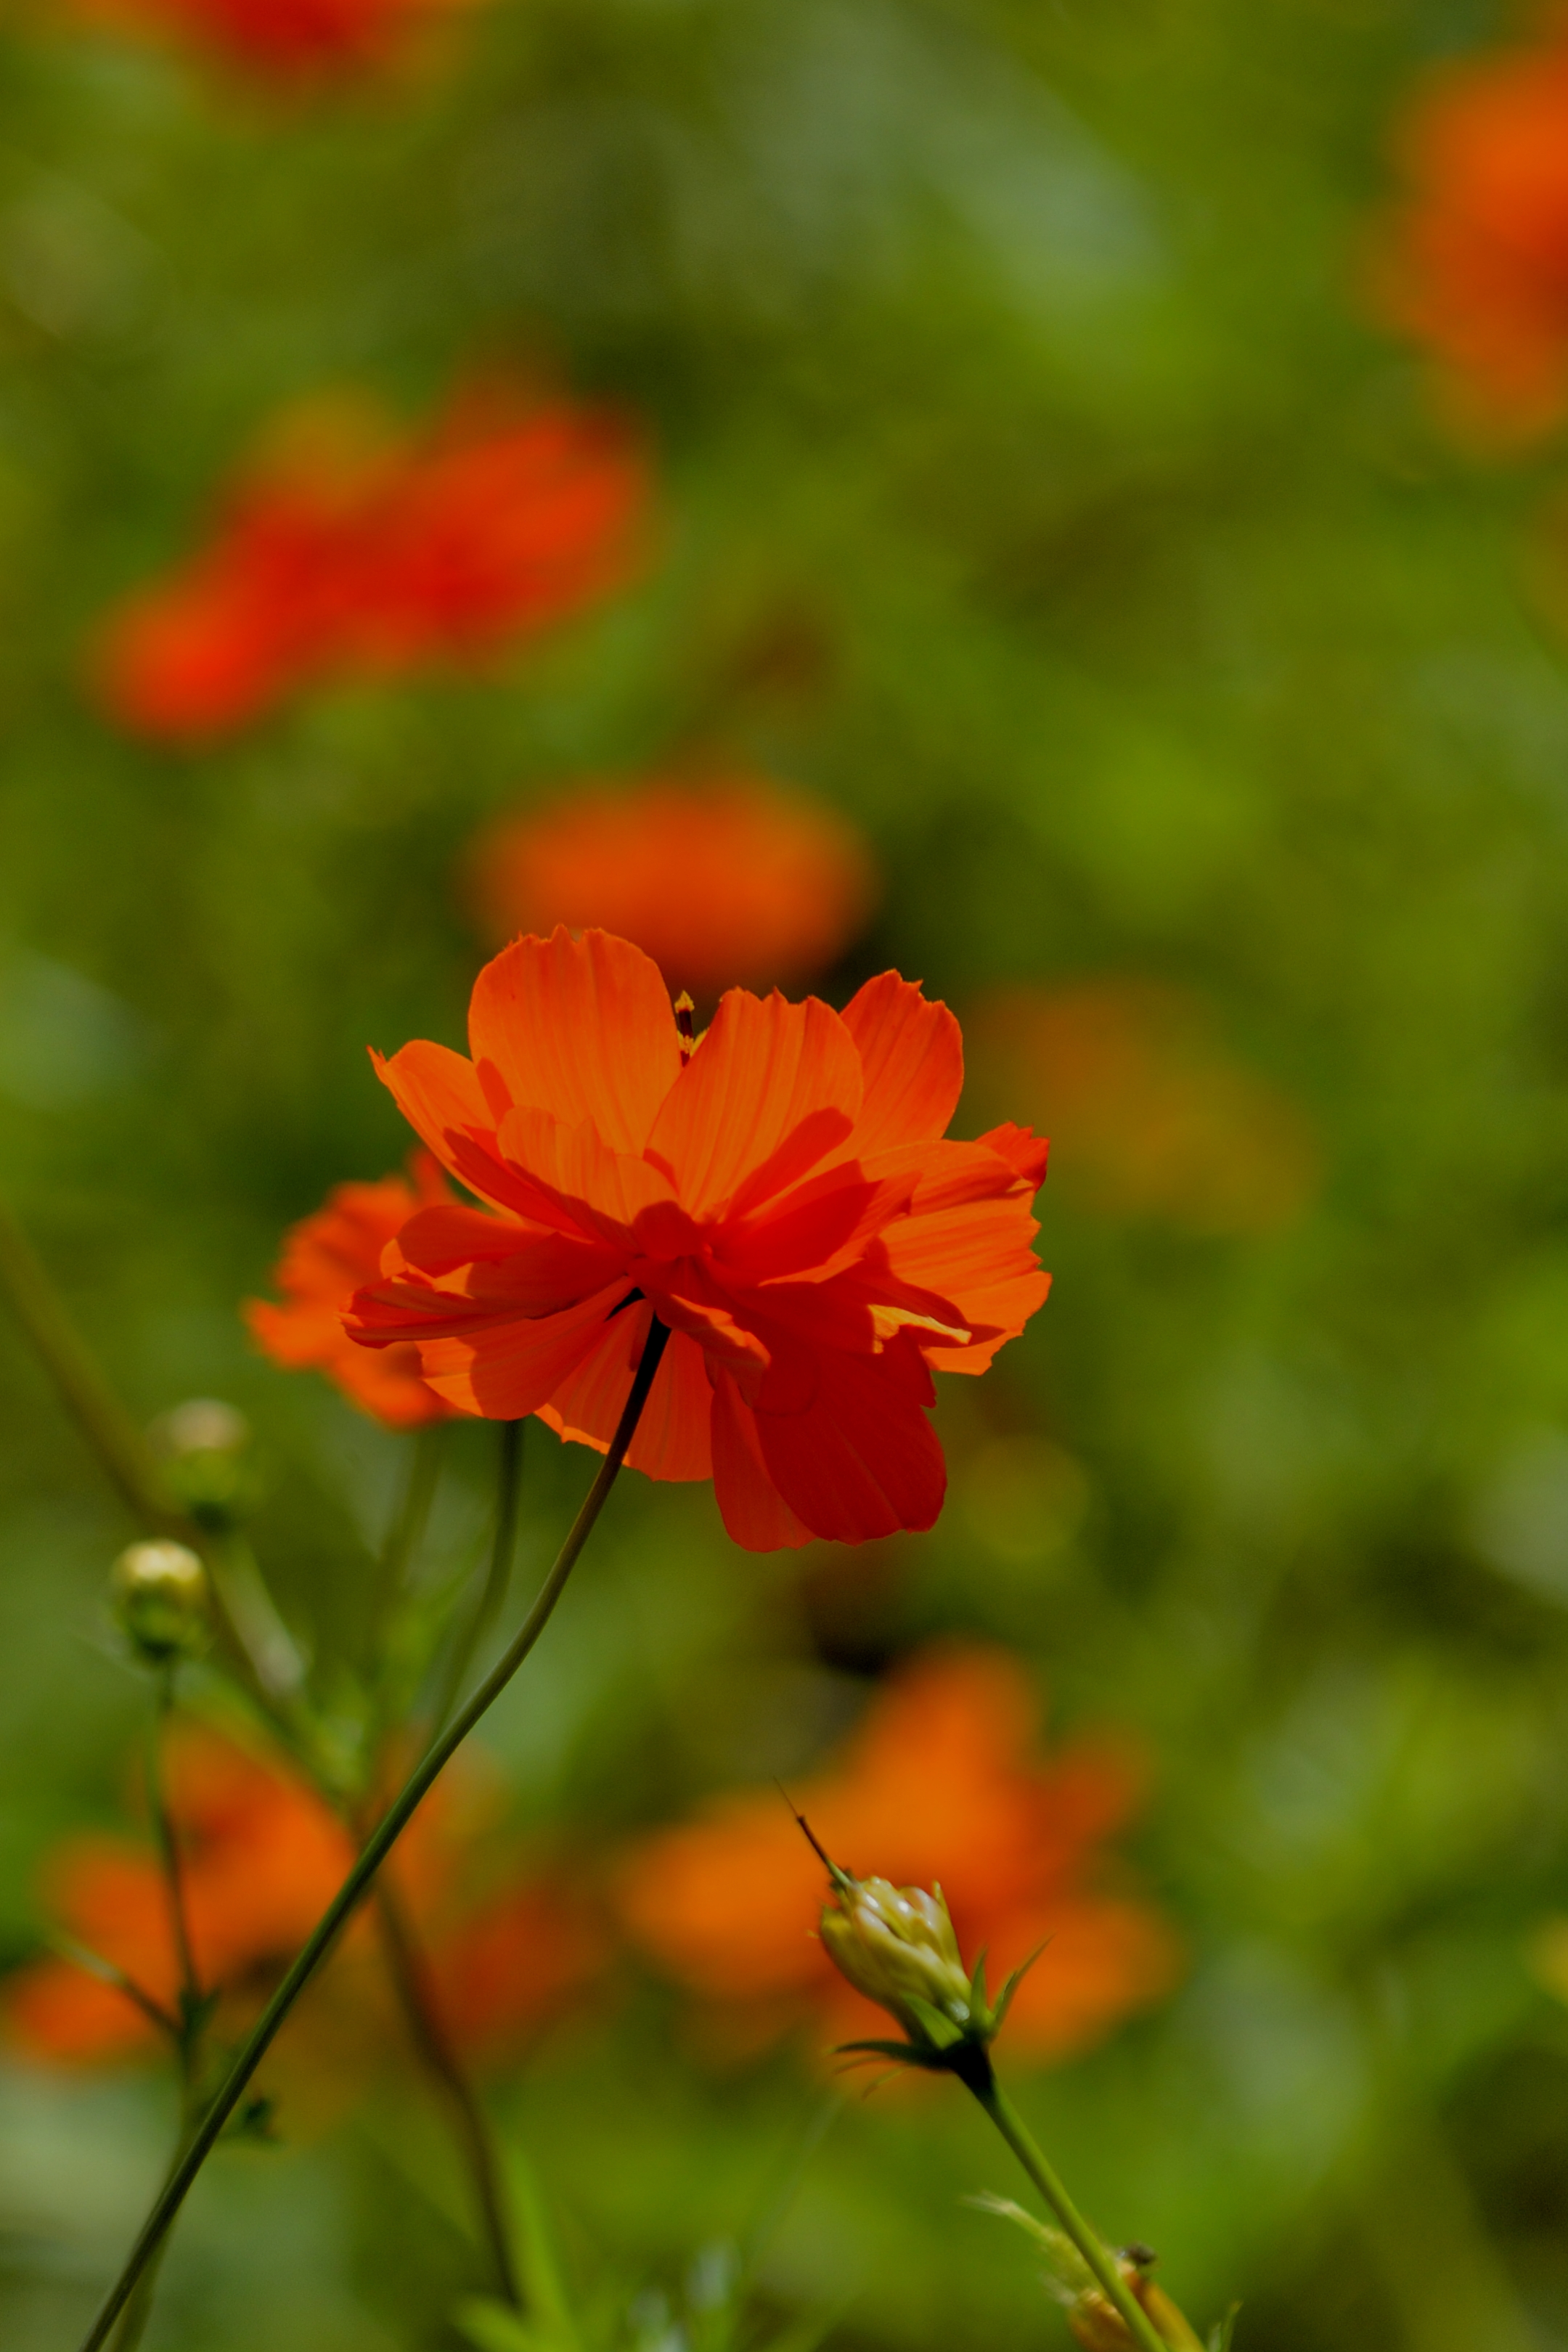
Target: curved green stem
[98, 1412]
[374, 1853]
[167, 1835]
[406, 1532]
[410, 1978]
[1043, 2173]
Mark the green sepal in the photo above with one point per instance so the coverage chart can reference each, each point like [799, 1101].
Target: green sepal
[939, 2031]
[903, 2054]
[978, 2001]
[1005, 1998]
[1222, 2334]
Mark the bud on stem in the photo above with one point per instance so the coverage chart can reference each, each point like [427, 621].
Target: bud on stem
[161, 1601]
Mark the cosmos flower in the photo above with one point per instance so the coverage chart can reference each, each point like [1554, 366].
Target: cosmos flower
[1474, 264]
[940, 1786]
[348, 551]
[778, 1191]
[261, 1857]
[327, 1256]
[1152, 1114]
[723, 881]
[280, 41]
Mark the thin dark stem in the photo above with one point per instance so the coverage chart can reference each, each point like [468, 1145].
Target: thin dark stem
[115, 1440]
[167, 1835]
[83, 1956]
[406, 1532]
[411, 1980]
[497, 1575]
[376, 1849]
[1107, 2270]
[98, 1414]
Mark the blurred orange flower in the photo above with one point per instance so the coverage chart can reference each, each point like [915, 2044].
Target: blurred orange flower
[1151, 1115]
[939, 1786]
[283, 40]
[722, 881]
[1475, 262]
[327, 1256]
[262, 1858]
[782, 1192]
[348, 551]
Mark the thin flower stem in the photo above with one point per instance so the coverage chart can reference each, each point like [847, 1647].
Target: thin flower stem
[1098, 2257]
[377, 1848]
[117, 1443]
[497, 1575]
[167, 1835]
[433, 2044]
[407, 1529]
[98, 1414]
[83, 1956]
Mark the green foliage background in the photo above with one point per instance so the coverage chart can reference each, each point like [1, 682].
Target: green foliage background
[1031, 490]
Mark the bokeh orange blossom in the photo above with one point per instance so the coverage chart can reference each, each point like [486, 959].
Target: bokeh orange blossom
[779, 1192]
[280, 41]
[940, 1786]
[348, 550]
[720, 881]
[326, 1257]
[261, 1856]
[1475, 261]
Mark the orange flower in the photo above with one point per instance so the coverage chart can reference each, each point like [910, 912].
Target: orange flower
[262, 1858]
[778, 1192]
[723, 881]
[1475, 262]
[1152, 1116]
[938, 1787]
[283, 40]
[501, 1971]
[348, 552]
[327, 1256]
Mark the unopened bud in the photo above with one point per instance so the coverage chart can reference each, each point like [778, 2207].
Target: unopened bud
[159, 1593]
[205, 1449]
[896, 1944]
[1098, 2327]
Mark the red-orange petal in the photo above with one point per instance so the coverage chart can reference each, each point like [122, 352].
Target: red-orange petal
[911, 1051]
[862, 1460]
[580, 1028]
[753, 1510]
[440, 1093]
[671, 1439]
[509, 1367]
[768, 1075]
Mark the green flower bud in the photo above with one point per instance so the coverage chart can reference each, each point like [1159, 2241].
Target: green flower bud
[896, 1944]
[160, 1594]
[205, 1447]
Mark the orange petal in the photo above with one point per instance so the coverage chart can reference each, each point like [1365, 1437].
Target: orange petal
[977, 1255]
[440, 1096]
[753, 1508]
[510, 1366]
[603, 1190]
[1023, 1149]
[581, 1028]
[815, 1230]
[912, 1054]
[771, 1088]
[862, 1460]
[671, 1439]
